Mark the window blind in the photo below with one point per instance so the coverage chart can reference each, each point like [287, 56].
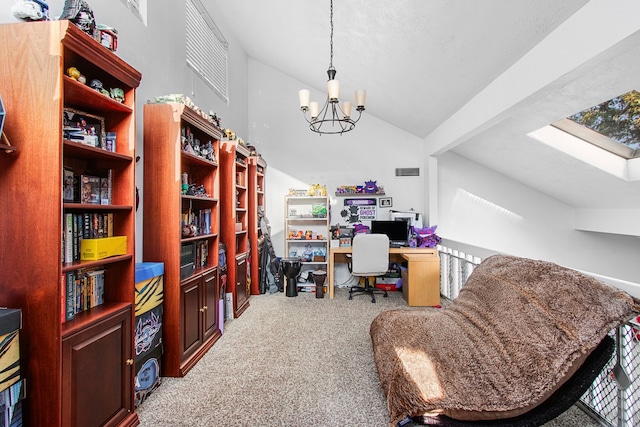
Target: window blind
[206, 48]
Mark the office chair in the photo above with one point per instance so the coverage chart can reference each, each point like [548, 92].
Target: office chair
[369, 257]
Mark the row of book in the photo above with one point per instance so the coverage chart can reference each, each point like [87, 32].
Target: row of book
[201, 219]
[93, 189]
[86, 225]
[83, 289]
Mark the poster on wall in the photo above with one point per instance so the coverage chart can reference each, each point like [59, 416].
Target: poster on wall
[358, 210]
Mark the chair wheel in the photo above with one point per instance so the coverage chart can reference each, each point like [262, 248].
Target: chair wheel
[373, 300]
[350, 296]
[385, 295]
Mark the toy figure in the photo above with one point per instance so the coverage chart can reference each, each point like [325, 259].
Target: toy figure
[31, 10]
[427, 237]
[117, 94]
[79, 12]
[307, 255]
[74, 73]
[370, 187]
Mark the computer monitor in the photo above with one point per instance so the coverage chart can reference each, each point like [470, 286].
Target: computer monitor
[397, 231]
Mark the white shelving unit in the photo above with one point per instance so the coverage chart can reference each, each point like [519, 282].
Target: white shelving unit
[307, 232]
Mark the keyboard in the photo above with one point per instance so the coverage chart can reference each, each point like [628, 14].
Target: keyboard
[397, 244]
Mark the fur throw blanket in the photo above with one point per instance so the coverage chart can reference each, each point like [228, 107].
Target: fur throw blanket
[518, 329]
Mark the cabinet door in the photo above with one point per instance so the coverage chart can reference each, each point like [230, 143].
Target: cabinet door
[210, 314]
[190, 314]
[96, 375]
[242, 294]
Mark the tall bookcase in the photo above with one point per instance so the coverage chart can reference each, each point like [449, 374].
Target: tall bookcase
[257, 210]
[234, 220]
[79, 372]
[190, 254]
[306, 230]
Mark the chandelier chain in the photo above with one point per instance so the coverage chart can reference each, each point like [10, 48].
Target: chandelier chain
[331, 37]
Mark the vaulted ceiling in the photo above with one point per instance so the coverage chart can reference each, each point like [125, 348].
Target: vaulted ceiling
[422, 61]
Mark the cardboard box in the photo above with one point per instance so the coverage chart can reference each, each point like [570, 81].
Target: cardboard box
[147, 378]
[10, 324]
[149, 288]
[148, 332]
[95, 249]
[11, 404]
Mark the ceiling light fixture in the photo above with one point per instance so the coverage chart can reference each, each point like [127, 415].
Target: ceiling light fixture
[334, 117]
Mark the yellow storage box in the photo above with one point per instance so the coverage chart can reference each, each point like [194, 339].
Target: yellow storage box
[95, 249]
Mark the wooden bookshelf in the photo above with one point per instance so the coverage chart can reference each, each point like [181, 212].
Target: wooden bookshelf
[234, 219]
[81, 369]
[257, 209]
[191, 297]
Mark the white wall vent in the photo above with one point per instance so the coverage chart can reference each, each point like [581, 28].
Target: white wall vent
[407, 171]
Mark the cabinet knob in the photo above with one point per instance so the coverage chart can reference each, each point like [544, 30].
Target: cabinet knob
[205, 307]
[202, 310]
[129, 362]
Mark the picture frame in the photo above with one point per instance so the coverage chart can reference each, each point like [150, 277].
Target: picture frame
[85, 128]
[385, 202]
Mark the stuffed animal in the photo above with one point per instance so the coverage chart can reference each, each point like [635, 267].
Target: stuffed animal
[427, 237]
[370, 187]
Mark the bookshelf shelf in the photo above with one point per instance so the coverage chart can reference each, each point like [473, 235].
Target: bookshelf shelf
[72, 266]
[92, 316]
[75, 149]
[37, 284]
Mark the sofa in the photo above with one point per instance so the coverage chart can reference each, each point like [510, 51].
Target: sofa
[518, 330]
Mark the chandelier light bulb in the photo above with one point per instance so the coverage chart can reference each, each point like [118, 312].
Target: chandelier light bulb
[304, 96]
[314, 108]
[346, 108]
[333, 87]
[361, 98]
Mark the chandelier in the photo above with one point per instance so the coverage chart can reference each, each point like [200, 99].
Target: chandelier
[334, 117]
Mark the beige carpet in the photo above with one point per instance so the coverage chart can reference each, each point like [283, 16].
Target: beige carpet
[289, 361]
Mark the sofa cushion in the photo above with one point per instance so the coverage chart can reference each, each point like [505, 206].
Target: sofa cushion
[518, 329]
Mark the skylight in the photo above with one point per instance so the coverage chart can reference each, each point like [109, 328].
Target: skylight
[606, 136]
[613, 125]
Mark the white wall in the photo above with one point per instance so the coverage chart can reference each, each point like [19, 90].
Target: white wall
[297, 157]
[480, 207]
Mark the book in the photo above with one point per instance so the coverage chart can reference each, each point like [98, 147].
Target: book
[70, 287]
[68, 237]
[109, 223]
[74, 245]
[86, 225]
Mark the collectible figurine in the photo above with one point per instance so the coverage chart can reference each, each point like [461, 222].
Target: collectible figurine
[73, 73]
[31, 10]
[97, 85]
[117, 94]
[79, 12]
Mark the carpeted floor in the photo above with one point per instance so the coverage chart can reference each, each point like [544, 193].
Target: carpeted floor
[297, 361]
